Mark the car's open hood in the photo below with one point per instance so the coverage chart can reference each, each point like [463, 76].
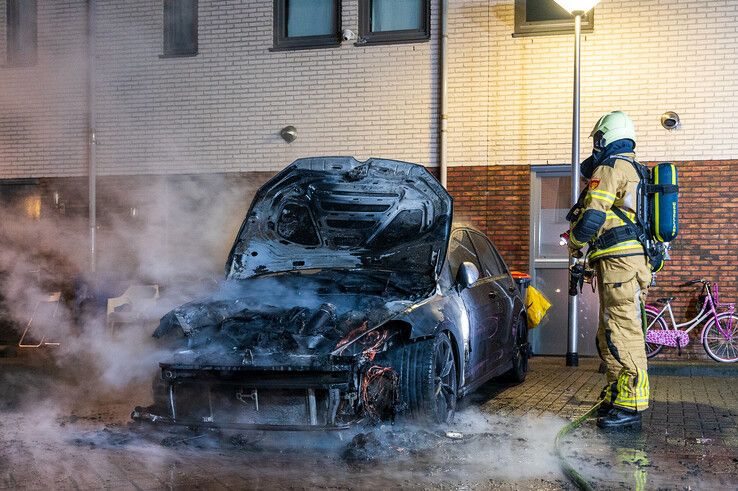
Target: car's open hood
[337, 212]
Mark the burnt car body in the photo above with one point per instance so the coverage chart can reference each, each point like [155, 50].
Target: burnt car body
[349, 296]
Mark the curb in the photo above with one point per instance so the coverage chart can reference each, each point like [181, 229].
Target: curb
[675, 369]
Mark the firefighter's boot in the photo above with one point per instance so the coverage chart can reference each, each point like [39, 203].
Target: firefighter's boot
[620, 419]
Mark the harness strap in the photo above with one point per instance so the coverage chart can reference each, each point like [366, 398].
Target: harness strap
[662, 188]
[615, 236]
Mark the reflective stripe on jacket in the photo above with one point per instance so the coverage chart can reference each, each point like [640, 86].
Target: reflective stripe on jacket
[614, 183]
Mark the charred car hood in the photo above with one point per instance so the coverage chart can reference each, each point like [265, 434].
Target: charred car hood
[337, 212]
[265, 318]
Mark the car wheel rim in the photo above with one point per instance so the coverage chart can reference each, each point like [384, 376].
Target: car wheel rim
[444, 388]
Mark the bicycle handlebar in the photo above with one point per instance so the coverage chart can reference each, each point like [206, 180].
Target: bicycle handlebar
[695, 282]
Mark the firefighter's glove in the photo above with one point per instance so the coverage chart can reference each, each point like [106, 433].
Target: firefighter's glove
[574, 250]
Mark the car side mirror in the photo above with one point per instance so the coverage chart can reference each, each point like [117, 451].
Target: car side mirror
[467, 275]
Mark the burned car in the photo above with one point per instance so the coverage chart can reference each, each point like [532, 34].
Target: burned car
[349, 296]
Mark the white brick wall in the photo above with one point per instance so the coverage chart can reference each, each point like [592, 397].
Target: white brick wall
[43, 107]
[223, 109]
[510, 98]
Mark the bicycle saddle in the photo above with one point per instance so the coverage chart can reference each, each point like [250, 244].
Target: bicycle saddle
[665, 300]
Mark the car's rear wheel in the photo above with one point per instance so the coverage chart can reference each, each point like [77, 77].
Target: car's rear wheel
[520, 354]
[428, 379]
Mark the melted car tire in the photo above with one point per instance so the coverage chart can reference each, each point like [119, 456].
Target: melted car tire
[428, 380]
[520, 355]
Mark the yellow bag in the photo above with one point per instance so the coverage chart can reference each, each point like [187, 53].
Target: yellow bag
[537, 305]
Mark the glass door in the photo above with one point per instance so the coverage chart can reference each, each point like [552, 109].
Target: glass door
[550, 202]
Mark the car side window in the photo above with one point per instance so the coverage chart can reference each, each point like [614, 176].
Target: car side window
[491, 262]
[500, 261]
[460, 250]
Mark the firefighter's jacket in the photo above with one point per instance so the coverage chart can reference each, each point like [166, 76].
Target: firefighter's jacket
[614, 182]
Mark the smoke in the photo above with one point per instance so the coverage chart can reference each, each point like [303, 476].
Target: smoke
[176, 238]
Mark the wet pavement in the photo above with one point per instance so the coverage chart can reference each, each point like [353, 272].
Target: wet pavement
[59, 430]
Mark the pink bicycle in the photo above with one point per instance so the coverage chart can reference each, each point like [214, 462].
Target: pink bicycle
[719, 336]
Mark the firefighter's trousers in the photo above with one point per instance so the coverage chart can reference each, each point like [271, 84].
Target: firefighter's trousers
[623, 283]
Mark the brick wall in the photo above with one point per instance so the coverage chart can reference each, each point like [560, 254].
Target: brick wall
[510, 102]
[511, 98]
[222, 110]
[707, 246]
[496, 199]
[43, 108]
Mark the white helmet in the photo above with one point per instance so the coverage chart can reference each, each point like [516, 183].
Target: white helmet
[614, 126]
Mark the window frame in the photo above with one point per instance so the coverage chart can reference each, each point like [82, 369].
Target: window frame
[168, 51]
[369, 37]
[550, 27]
[13, 57]
[282, 42]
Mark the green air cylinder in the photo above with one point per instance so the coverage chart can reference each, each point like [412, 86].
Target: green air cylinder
[665, 202]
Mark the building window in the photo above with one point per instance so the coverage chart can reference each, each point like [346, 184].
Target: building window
[20, 30]
[394, 21]
[541, 17]
[300, 24]
[180, 28]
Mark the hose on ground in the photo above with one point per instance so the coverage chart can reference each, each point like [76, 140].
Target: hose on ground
[570, 472]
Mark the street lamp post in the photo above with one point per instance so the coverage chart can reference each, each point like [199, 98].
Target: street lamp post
[577, 8]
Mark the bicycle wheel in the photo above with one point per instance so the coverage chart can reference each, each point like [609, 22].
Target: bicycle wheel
[720, 339]
[653, 349]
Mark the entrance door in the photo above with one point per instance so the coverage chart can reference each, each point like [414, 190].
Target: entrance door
[550, 202]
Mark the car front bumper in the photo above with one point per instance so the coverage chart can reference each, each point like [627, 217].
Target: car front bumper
[293, 393]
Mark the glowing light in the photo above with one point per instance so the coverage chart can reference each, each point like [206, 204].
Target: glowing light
[32, 206]
[580, 6]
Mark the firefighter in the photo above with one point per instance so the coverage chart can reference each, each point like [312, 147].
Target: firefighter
[622, 268]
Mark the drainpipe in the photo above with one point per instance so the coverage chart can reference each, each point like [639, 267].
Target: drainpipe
[443, 61]
[92, 139]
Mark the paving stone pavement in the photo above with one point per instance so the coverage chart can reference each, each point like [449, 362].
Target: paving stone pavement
[690, 432]
[689, 440]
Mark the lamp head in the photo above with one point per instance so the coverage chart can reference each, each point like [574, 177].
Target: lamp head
[577, 6]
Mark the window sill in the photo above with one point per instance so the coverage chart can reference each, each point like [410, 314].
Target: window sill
[385, 41]
[182, 55]
[369, 38]
[305, 46]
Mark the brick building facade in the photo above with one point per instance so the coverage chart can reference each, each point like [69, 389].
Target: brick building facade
[220, 112]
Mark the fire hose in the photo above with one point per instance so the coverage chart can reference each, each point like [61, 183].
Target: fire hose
[570, 472]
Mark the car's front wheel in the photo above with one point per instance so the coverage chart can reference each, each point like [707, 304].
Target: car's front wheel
[428, 379]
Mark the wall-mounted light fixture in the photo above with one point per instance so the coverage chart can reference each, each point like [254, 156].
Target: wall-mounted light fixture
[288, 134]
[670, 120]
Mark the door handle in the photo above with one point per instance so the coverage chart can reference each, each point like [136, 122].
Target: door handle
[492, 295]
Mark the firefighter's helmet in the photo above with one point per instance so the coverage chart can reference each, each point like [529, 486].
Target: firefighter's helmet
[614, 126]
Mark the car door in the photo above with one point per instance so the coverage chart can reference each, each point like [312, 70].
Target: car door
[476, 299]
[500, 343]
